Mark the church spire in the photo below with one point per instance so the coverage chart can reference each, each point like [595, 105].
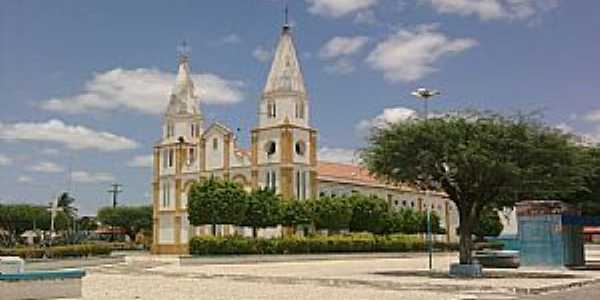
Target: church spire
[183, 96]
[286, 74]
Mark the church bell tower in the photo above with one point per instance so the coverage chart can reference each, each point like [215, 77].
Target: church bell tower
[284, 156]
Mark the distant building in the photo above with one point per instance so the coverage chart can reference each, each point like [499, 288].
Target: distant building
[282, 155]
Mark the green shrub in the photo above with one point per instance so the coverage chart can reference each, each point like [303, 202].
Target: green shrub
[82, 250]
[25, 253]
[210, 245]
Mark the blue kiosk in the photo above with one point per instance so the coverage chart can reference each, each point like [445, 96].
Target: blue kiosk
[546, 235]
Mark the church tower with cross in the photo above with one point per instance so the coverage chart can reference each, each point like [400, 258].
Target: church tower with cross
[284, 144]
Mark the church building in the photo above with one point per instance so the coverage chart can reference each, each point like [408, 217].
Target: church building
[282, 156]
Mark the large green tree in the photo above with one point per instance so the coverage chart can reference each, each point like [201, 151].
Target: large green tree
[215, 202]
[296, 213]
[479, 160]
[589, 197]
[331, 213]
[132, 219]
[368, 213]
[263, 209]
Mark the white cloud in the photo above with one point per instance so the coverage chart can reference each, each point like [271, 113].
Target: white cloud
[230, 39]
[262, 54]
[388, 116]
[73, 137]
[493, 9]
[50, 151]
[342, 46]
[46, 167]
[339, 49]
[5, 160]
[24, 179]
[86, 177]
[365, 17]
[141, 90]
[409, 55]
[338, 8]
[341, 66]
[339, 155]
[141, 161]
[592, 116]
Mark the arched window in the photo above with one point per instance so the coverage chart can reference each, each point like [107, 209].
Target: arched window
[170, 129]
[271, 109]
[191, 158]
[300, 148]
[271, 180]
[299, 110]
[215, 144]
[270, 148]
[171, 157]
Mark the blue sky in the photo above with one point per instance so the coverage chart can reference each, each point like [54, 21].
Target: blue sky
[83, 84]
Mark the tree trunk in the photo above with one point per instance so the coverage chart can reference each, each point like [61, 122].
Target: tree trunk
[214, 229]
[465, 244]
[254, 232]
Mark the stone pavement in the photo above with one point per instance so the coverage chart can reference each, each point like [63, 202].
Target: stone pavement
[333, 277]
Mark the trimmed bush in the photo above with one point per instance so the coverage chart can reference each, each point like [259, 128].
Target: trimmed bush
[82, 250]
[210, 245]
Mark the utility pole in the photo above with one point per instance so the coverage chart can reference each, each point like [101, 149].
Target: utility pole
[116, 189]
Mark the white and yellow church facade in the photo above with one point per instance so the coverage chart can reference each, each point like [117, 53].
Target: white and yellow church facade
[282, 156]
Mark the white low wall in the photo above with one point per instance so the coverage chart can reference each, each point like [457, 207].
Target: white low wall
[40, 289]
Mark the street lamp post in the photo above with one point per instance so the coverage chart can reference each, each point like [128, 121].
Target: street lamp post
[424, 95]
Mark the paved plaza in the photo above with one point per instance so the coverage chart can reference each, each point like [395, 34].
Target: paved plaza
[387, 276]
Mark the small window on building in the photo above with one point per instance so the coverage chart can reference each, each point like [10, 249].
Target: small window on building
[412, 204]
[270, 148]
[271, 180]
[193, 133]
[166, 194]
[171, 157]
[322, 194]
[191, 156]
[215, 143]
[395, 202]
[271, 109]
[389, 199]
[165, 158]
[300, 148]
[170, 129]
[404, 203]
[299, 110]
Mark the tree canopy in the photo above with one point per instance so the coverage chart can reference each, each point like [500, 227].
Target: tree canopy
[263, 210]
[216, 202]
[368, 213]
[479, 160]
[132, 219]
[332, 213]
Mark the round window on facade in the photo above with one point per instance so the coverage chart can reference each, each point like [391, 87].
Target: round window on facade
[300, 148]
[270, 148]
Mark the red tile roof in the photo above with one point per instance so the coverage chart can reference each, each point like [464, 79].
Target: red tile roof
[353, 174]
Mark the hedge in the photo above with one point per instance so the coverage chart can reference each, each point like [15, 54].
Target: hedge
[210, 245]
[57, 251]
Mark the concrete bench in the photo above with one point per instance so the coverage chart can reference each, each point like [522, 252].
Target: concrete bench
[497, 258]
[41, 284]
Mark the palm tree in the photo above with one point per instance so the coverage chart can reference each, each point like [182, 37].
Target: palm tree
[65, 201]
